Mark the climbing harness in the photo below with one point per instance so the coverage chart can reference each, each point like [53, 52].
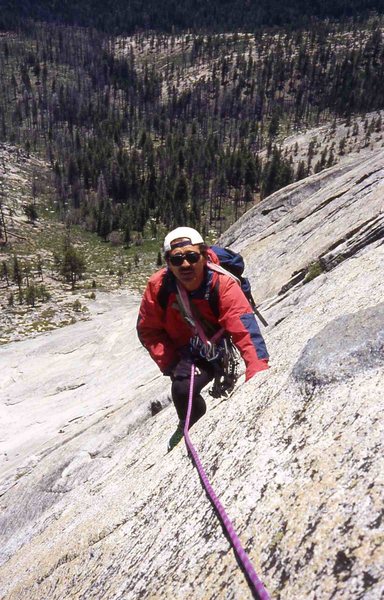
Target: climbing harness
[258, 590]
[219, 349]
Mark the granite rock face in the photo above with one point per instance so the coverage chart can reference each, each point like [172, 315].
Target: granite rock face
[324, 219]
[346, 346]
[92, 506]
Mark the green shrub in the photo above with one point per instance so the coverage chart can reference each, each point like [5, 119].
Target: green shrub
[31, 212]
[43, 294]
[31, 294]
[77, 305]
[314, 270]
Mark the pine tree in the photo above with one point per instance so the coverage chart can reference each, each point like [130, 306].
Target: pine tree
[17, 276]
[3, 226]
[251, 175]
[72, 265]
[40, 266]
[180, 201]
[276, 174]
[30, 294]
[4, 272]
[301, 171]
[127, 228]
[31, 212]
[105, 222]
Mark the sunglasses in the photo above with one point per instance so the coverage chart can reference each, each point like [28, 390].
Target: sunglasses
[177, 259]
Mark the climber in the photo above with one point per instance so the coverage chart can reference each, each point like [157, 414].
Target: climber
[191, 312]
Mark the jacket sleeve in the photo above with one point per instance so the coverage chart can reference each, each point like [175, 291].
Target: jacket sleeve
[151, 331]
[238, 319]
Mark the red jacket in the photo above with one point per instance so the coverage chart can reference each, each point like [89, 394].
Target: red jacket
[163, 331]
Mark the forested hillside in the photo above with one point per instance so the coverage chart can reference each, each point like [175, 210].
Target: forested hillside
[119, 16]
[167, 129]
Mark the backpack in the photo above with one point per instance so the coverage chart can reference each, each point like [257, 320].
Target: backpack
[234, 263]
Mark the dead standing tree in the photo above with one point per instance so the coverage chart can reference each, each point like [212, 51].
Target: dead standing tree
[3, 226]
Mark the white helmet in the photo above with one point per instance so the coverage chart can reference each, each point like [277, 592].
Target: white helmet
[182, 232]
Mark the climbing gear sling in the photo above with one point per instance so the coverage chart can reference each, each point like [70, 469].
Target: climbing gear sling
[219, 349]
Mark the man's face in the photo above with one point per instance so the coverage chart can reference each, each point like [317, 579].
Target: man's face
[189, 274]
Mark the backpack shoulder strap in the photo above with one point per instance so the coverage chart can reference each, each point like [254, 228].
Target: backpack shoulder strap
[213, 298]
[165, 290]
[214, 293]
[220, 269]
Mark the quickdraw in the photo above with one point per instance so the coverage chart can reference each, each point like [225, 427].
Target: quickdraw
[209, 350]
[227, 370]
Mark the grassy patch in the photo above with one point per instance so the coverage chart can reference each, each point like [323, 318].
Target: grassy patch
[314, 270]
[47, 313]
[40, 326]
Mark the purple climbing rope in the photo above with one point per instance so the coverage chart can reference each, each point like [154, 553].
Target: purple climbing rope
[254, 581]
